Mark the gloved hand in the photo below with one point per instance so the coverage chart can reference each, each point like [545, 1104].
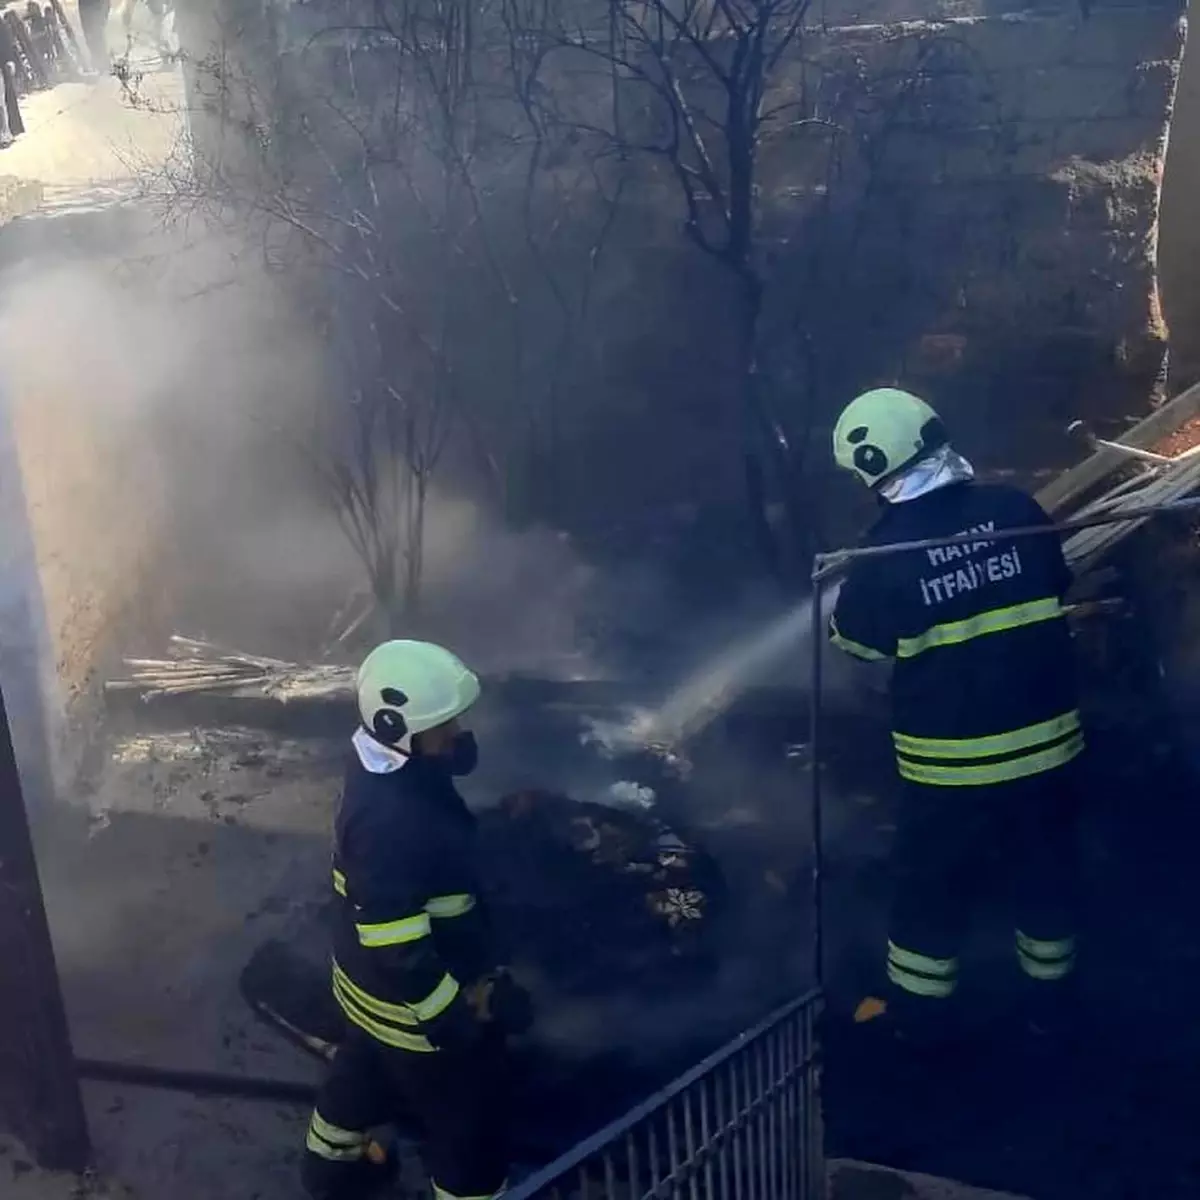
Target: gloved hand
[458, 1028]
[510, 1007]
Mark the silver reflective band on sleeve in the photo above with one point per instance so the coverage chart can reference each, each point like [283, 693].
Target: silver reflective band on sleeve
[395, 933]
[857, 649]
[953, 633]
[450, 906]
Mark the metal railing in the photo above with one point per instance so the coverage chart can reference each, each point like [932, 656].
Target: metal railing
[744, 1124]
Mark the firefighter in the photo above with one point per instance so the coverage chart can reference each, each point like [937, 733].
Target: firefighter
[985, 719]
[414, 968]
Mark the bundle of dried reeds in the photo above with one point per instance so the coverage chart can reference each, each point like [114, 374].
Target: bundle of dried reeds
[200, 666]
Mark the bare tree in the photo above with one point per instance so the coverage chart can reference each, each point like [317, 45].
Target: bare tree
[357, 157]
[697, 87]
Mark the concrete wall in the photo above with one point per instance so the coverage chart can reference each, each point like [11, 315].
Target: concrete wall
[84, 502]
[1179, 239]
[1012, 213]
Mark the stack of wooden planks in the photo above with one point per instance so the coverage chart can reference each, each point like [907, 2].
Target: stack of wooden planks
[1156, 462]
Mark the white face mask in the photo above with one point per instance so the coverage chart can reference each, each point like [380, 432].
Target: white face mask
[937, 470]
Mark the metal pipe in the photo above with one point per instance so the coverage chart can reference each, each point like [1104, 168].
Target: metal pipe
[201, 1083]
[1146, 456]
[825, 565]
[814, 751]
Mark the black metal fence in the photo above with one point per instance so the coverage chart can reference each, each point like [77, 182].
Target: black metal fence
[744, 1124]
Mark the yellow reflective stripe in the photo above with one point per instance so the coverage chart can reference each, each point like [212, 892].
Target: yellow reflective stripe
[395, 933]
[440, 1193]
[332, 1153]
[945, 968]
[918, 985]
[450, 906]
[855, 648]
[1049, 960]
[952, 633]
[438, 1000]
[921, 975]
[398, 1014]
[335, 1135]
[1036, 948]
[333, 1143]
[1046, 971]
[994, 744]
[1000, 772]
[386, 1034]
[339, 882]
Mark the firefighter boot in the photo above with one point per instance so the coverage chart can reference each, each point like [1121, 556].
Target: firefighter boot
[350, 1179]
[921, 1026]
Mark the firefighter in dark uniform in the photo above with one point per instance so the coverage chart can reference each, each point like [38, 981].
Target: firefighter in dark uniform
[986, 723]
[414, 967]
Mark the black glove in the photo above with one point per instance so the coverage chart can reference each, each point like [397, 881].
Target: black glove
[458, 1028]
[510, 1005]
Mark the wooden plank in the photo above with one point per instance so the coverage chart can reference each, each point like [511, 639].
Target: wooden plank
[1069, 487]
[1087, 546]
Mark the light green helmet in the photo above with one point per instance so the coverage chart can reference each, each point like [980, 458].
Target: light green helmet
[408, 687]
[882, 431]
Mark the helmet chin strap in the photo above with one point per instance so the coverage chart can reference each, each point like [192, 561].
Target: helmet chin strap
[937, 470]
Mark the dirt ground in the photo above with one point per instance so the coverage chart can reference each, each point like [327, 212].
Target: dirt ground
[187, 853]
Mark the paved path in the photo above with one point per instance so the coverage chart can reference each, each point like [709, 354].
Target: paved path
[80, 136]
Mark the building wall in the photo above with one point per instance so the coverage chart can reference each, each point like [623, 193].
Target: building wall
[83, 491]
[1179, 239]
[1018, 215]
[989, 238]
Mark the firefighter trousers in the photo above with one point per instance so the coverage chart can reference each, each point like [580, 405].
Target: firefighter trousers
[457, 1101]
[959, 848]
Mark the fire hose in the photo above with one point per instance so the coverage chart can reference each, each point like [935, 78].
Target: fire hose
[200, 1083]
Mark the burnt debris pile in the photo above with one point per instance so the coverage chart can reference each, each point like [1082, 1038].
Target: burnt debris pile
[595, 899]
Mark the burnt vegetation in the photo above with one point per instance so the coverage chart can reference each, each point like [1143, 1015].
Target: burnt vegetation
[539, 236]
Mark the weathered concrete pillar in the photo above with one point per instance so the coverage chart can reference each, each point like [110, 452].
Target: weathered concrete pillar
[1179, 226]
[27, 673]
